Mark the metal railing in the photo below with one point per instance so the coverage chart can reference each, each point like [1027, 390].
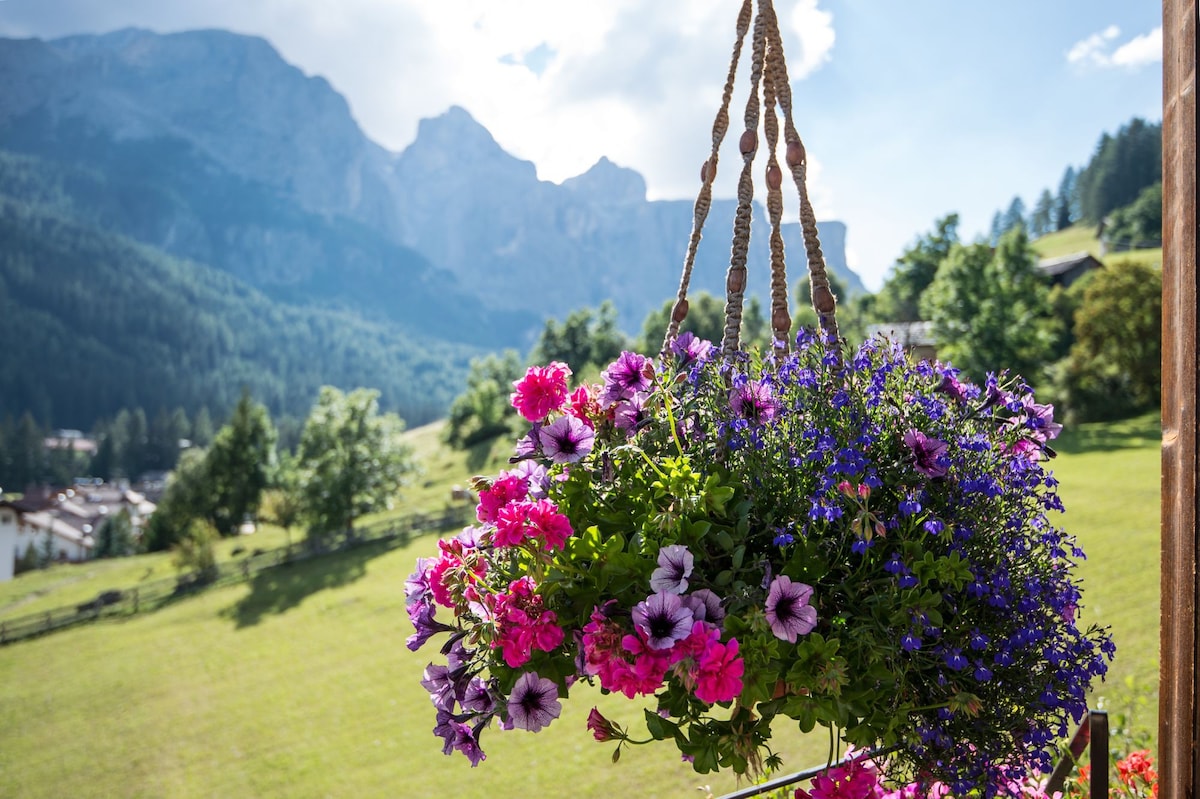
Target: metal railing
[1091, 735]
[153, 595]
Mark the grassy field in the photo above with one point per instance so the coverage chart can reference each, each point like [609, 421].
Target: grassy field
[298, 683]
[1082, 238]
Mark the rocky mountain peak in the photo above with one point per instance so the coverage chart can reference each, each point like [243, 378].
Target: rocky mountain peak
[606, 183]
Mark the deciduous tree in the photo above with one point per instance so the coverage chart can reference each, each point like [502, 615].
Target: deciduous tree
[989, 309]
[351, 458]
[239, 465]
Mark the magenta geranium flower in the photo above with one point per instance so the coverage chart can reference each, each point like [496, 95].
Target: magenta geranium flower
[543, 389]
[533, 703]
[788, 610]
[719, 672]
[567, 439]
[927, 453]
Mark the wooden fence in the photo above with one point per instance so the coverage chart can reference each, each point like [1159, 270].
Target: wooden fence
[153, 595]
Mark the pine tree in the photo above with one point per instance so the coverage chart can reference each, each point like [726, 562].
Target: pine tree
[1066, 202]
[1041, 220]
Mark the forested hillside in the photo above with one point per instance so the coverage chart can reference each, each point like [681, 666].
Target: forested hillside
[93, 322]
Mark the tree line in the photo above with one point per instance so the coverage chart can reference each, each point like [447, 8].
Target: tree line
[1125, 170]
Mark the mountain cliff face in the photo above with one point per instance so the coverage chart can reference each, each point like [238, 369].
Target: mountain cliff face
[209, 146]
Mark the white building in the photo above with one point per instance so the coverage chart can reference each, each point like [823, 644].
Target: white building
[63, 523]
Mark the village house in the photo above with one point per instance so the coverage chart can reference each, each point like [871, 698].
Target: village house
[1066, 269]
[62, 523]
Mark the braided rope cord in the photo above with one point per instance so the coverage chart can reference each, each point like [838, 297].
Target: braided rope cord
[781, 321]
[735, 278]
[708, 173]
[824, 303]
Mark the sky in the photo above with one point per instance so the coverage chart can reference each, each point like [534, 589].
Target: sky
[908, 110]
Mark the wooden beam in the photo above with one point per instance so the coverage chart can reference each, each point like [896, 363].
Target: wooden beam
[1179, 715]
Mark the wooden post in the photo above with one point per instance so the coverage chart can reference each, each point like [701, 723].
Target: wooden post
[1178, 714]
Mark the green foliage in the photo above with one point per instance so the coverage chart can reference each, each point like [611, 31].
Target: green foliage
[337, 682]
[351, 458]
[1115, 365]
[587, 339]
[1138, 224]
[483, 412]
[283, 503]
[1041, 219]
[22, 452]
[115, 539]
[1122, 166]
[1066, 202]
[989, 310]
[185, 499]
[146, 330]
[706, 320]
[900, 298]
[239, 465]
[195, 553]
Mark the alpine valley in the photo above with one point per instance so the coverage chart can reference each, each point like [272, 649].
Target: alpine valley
[185, 215]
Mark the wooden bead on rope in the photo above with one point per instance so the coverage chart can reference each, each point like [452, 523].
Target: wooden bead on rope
[823, 300]
[774, 177]
[706, 169]
[736, 281]
[680, 311]
[748, 143]
[781, 320]
[795, 153]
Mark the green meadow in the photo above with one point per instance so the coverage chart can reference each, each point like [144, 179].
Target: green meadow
[298, 683]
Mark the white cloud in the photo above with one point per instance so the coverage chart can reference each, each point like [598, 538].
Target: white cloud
[814, 27]
[1144, 49]
[1100, 50]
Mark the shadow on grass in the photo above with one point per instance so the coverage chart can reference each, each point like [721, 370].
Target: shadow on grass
[1135, 433]
[479, 454]
[277, 590]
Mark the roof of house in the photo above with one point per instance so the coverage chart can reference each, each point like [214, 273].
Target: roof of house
[907, 334]
[1065, 263]
[41, 520]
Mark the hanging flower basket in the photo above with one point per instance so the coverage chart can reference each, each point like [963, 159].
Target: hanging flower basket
[809, 536]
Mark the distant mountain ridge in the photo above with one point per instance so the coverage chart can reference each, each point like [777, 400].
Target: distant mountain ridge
[209, 147]
[454, 195]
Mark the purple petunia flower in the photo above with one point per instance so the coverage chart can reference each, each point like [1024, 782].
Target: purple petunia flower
[630, 413]
[466, 740]
[1040, 419]
[674, 567]
[951, 387]
[705, 606]
[927, 453]
[625, 377]
[663, 619]
[533, 703]
[566, 440]
[440, 685]
[788, 611]
[535, 476]
[477, 697]
[691, 349]
[754, 401]
[416, 587]
[425, 625]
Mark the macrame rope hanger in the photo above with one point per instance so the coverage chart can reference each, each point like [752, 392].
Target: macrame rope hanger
[768, 69]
